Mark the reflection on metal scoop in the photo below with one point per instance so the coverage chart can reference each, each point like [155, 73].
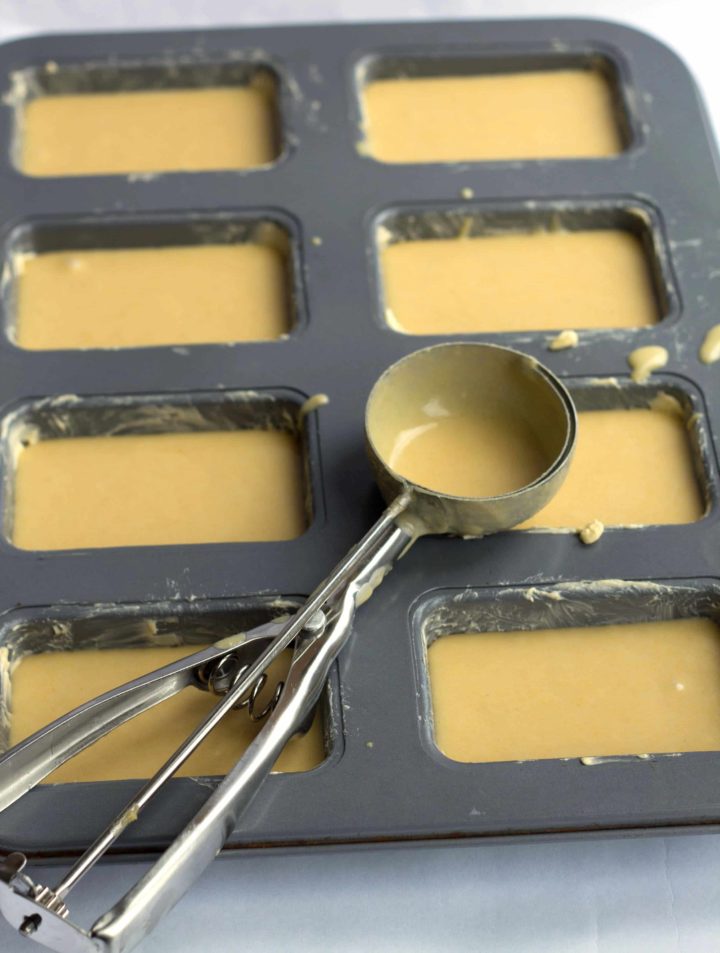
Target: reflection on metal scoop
[532, 417]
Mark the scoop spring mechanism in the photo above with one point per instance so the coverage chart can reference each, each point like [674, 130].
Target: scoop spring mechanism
[220, 676]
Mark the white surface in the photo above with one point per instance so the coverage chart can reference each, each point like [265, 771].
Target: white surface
[600, 896]
[658, 895]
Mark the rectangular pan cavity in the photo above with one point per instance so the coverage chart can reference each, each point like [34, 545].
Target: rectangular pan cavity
[634, 280]
[199, 413]
[256, 80]
[588, 607]
[607, 99]
[68, 629]
[66, 314]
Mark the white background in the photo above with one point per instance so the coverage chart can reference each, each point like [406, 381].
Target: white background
[602, 896]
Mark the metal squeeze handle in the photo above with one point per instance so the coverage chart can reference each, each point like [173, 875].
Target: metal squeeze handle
[183, 862]
[42, 916]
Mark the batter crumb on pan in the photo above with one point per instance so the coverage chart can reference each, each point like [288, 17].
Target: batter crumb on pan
[710, 347]
[563, 340]
[592, 532]
[644, 360]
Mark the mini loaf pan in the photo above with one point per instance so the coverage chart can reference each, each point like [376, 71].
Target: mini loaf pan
[383, 779]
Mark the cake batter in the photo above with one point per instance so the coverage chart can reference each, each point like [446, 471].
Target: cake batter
[157, 489]
[520, 281]
[710, 347]
[566, 693]
[630, 466]
[469, 454]
[138, 297]
[169, 130]
[528, 115]
[644, 361]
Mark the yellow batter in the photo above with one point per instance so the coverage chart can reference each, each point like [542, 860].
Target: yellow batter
[155, 489]
[710, 347]
[529, 115]
[566, 693]
[644, 361]
[469, 454]
[630, 466]
[149, 296]
[48, 685]
[544, 280]
[169, 130]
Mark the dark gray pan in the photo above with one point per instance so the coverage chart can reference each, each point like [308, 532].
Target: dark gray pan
[383, 779]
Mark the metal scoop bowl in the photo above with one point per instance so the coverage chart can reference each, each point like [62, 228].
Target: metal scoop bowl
[526, 404]
[509, 405]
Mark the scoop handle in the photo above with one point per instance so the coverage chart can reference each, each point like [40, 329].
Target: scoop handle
[122, 927]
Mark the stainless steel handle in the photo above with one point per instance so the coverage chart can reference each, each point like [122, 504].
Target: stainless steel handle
[40, 912]
[182, 863]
